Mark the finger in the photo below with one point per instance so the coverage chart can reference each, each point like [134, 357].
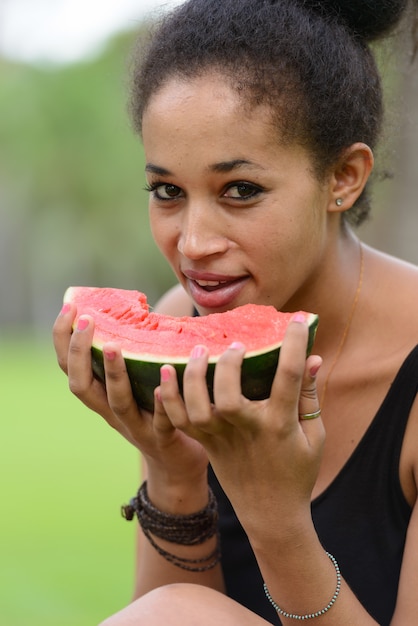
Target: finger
[118, 385]
[161, 420]
[171, 399]
[73, 347]
[308, 401]
[61, 333]
[291, 367]
[80, 373]
[81, 380]
[309, 409]
[195, 390]
[227, 380]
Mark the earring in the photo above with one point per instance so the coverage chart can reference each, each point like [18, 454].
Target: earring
[339, 201]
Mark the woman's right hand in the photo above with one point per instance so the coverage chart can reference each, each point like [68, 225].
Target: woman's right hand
[168, 452]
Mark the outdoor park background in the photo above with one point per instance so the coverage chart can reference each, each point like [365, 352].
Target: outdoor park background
[72, 211]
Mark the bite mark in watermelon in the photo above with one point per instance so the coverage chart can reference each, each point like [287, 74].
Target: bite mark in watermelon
[149, 340]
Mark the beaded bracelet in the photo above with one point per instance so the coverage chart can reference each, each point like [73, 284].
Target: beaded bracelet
[187, 530]
[317, 613]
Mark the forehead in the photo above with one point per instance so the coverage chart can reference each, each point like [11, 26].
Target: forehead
[192, 124]
[206, 108]
[178, 87]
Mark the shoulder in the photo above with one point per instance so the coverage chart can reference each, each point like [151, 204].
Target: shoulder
[409, 458]
[175, 302]
[386, 262]
[394, 323]
[387, 321]
[392, 290]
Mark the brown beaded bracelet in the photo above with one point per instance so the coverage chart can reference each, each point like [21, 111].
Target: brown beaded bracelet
[187, 530]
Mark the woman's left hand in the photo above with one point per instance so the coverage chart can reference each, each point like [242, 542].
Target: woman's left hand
[265, 457]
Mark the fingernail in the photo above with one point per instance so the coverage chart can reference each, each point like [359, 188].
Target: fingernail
[236, 345]
[165, 374]
[66, 307]
[158, 394]
[300, 318]
[82, 323]
[197, 352]
[314, 370]
[109, 354]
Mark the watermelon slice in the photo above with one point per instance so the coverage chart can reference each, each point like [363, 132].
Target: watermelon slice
[149, 340]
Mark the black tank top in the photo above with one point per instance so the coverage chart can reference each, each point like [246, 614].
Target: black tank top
[361, 518]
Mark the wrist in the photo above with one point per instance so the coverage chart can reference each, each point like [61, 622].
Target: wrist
[185, 530]
[175, 495]
[317, 613]
[282, 530]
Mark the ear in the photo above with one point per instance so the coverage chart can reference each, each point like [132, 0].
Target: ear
[350, 176]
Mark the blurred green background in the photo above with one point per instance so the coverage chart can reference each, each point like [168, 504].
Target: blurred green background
[72, 211]
[66, 553]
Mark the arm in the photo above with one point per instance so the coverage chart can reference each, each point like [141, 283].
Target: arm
[406, 610]
[267, 460]
[152, 570]
[176, 465]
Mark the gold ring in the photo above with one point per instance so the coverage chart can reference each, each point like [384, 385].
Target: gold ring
[310, 416]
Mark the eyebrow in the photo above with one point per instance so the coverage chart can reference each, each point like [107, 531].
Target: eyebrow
[155, 169]
[229, 166]
[222, 167]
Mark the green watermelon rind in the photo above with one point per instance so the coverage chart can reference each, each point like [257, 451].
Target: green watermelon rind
[257, 372]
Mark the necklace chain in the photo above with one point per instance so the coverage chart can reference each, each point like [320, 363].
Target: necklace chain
[346, 328]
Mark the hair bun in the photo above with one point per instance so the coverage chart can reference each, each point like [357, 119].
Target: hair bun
[370, 19]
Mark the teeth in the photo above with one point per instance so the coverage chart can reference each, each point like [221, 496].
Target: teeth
[210, 283]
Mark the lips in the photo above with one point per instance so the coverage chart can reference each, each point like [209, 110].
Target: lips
[214, 291]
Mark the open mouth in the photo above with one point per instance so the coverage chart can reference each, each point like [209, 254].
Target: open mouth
[211, 285]
[214, 291]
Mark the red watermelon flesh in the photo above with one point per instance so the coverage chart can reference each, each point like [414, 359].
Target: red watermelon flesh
[150, 339]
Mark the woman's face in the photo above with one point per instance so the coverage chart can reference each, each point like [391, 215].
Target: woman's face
[240, 217]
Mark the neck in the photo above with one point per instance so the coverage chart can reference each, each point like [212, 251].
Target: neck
[333, 294]
[346, 329]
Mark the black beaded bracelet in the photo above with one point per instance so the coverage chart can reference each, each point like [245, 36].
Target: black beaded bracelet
[186, 530]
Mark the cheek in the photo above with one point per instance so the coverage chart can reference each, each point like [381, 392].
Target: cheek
[288, 241]
[158, 231]
[164, 232]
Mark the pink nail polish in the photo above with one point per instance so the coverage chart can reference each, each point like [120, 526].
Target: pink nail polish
[109, 354]
[165, 374]
[66, 307]
[300, 318]
[197, 352]
[236, 345]
[82, 323]
[314, 370]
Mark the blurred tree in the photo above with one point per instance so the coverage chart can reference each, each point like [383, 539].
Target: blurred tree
[394, 221]
[72, 207]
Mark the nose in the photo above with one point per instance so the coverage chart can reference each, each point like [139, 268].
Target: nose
[202, 233]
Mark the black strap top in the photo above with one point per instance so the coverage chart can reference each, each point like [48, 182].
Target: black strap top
[361, 518]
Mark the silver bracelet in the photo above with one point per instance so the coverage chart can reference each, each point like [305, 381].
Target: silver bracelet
[317, 613]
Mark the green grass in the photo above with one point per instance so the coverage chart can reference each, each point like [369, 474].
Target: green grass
[66, 554]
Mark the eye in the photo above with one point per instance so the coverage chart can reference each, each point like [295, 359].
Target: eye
[164, 191]
[242, 191]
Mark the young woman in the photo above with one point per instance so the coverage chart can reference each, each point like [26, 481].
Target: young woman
[259, 121]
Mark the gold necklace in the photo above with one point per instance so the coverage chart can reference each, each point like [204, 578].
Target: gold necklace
[346, 329]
